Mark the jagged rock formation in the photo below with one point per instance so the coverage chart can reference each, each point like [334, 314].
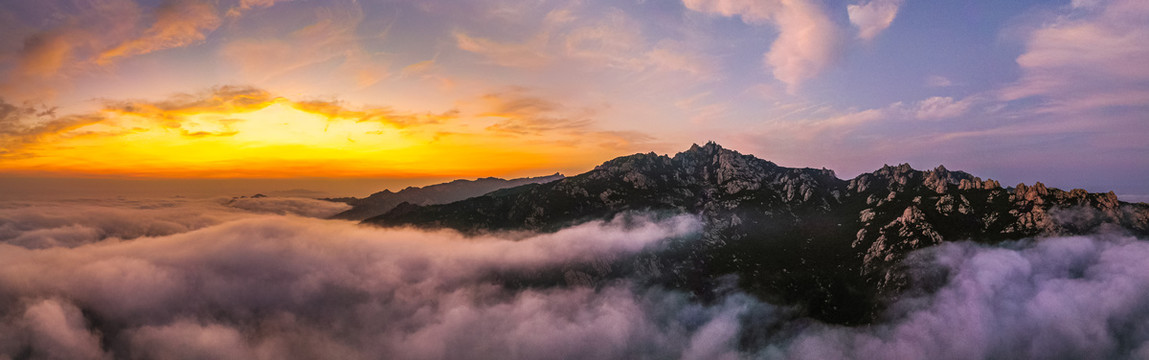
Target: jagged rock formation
[905, 210]
[799, 236]
[381, 202]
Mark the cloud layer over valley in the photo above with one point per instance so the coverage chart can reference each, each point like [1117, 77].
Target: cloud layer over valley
[202, 279]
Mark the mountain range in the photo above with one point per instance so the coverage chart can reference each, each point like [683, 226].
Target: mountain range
[378, 203]
[834, 248]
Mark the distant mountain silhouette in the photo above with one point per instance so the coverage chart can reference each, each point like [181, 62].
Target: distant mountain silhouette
[383, 201]
[800, 236]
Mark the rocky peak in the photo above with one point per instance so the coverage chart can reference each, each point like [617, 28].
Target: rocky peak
[710, 148]
[939, 179]
[709, 166]
[713, 155]
[976, 183]
[902, 178]
[888, 179]
[632, 162]
[1035, 193]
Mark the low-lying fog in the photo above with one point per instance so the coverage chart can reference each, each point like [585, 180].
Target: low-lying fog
[268, 278]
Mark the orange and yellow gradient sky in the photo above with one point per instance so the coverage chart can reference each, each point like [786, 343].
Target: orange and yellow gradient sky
[412, 92]
[240, 132]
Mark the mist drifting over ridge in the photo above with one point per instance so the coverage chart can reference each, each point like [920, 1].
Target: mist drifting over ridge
[243, 285]
[129, 129]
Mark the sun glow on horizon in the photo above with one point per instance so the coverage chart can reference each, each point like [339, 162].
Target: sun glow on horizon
[272, 137]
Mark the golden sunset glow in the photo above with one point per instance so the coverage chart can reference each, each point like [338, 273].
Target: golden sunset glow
[574, 179]
[439, 89]
[234, 132]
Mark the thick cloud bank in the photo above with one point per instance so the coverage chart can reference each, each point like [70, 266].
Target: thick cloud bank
[43, 224]
[277, 287]
[190, 279]
[1062, 298]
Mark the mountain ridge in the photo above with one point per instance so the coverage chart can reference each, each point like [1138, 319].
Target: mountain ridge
[797, 235]
[380, 202]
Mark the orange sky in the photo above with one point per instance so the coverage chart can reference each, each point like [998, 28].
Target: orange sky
[1025, 90]
[248, 132]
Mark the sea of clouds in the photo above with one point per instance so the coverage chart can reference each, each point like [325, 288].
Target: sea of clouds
[268, 278]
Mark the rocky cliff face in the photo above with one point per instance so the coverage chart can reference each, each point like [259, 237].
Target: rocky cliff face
[381, 202]
[905, 210]
[795, 235]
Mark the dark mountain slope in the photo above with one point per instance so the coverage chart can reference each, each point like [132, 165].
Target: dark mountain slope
[702, 180]
[798, 236]
[383, 201]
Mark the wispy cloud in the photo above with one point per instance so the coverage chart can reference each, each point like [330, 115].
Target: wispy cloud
[47, 224]
[938, 107]
[330, 37]
[66, 40]
[55, 50]
[1085, 57]
[603, 40]
[21, 125]
[245, 5]
[938, 81]
[526, 54]
[519, 113]
[178, 23]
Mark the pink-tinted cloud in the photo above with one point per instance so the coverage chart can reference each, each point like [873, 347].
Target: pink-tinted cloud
[287, 287]
[528, 54]
[938, 81]
[61, 45]
[1056, 298]
[331, 38]
[873, 17]
[76, 223]
[178, 23]
[1090, 56]
[808, 41]
[939, 107]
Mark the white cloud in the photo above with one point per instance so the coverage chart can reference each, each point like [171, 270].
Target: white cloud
[75, 223]
[1072, 297]
[274, 287]
[288, 206]
[808, 42]
[57, 330]
[283, 287]
[873, 17]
